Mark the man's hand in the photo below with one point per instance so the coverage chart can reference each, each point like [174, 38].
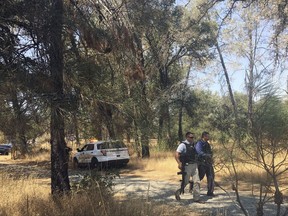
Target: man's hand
[180, 166]
[208, 158]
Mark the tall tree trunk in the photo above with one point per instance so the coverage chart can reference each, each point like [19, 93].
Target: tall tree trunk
[59, 154]
[160, 125]
[21, 140]
[233, 102]
[144, 123]
[136, 132]
[232, 99]
[134, 122]
[143, 107]
[76, 129]
[183, 91]
[98, 129]
[169, 128]
[106, 111]
[109, 122]
[180, 117]
[250, 82]
[164, 115]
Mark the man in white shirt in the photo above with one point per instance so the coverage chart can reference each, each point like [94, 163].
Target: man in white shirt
[186, 158]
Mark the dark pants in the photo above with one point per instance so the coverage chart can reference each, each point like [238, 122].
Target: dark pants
[208, 170]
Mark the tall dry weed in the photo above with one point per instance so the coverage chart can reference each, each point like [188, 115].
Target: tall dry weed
[26, 197]
[160, 165]
[17, 194]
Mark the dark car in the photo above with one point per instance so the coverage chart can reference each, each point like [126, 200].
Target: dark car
[5, 149]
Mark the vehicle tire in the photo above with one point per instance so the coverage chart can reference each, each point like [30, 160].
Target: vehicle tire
[7, 153]
[94, 163]
[75, 163]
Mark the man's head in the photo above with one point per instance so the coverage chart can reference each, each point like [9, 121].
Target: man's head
[205, 135]
[190, 136]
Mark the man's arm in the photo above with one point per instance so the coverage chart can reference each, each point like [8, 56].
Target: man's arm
[181, 167]
[177, 158]
[203, 156]
[199, 149]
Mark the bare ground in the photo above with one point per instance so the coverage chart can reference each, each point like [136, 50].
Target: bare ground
[164, 191]
[151, 186]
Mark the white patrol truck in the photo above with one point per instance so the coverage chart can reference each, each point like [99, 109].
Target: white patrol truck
[102, 153]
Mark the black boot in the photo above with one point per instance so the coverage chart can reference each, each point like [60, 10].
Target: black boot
[191, 186]
[177, 194]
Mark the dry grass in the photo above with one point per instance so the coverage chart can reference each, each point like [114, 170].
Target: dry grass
[27, 195]
[161, 166]
[18, 194]
[23, 195]
[39, 157]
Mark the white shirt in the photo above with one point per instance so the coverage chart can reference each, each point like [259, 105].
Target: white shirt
[182, 147]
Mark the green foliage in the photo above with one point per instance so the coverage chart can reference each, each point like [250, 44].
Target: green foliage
[270, 120]
[95, 179]
[224, 122]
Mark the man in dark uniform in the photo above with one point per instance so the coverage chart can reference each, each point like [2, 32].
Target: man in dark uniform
[205, 161]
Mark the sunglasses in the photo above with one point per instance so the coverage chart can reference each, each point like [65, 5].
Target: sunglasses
[191, 137]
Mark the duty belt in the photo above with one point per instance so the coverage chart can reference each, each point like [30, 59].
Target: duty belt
[186, 164]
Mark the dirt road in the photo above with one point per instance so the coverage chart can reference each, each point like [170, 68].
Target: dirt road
[163, 191]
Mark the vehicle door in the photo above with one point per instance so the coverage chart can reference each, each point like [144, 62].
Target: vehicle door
[81, 153]
[88, 153]
[102, 149]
